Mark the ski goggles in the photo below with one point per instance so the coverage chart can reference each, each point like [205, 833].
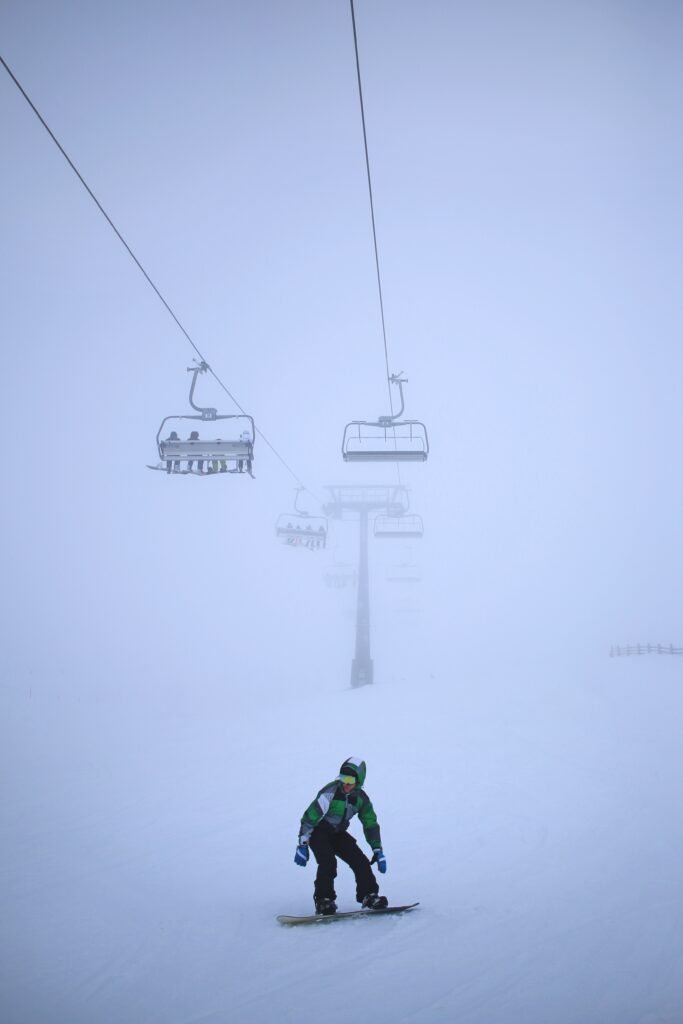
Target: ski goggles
[347, 780]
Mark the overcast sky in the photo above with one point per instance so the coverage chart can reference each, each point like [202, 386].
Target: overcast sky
[526, 162]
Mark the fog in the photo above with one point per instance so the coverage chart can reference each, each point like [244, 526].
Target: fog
[526, 164]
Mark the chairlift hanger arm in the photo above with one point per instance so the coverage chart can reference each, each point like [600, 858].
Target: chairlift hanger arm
[207, 412]
[299, 511]
[398, 378]
[386, 421]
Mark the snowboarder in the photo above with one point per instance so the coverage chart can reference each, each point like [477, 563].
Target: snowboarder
[324, 829]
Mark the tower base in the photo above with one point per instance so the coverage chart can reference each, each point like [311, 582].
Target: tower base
[362, 672]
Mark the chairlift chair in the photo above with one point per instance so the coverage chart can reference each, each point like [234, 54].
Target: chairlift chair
[403, 527]
[301, 529]
[179, 455]
[406, 572]
[387, 439]
[340, 575]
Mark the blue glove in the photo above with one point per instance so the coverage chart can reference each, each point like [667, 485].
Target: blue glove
[301, 855]
[381, 862]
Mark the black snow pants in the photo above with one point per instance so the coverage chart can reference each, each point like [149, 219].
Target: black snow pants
[327, 845]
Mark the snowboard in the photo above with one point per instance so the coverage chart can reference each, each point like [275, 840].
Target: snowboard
[324, 918]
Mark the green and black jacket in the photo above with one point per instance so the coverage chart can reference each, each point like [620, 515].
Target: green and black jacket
[333, 809]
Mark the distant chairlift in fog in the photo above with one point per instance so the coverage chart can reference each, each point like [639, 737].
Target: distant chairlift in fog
[404, 527]
[201, 456]
[340, 575]
[299, 529]
[387, 439]
[405, 572]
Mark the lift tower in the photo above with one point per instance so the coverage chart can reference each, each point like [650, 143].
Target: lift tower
[347, 501]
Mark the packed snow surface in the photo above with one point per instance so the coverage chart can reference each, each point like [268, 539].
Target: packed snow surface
[175, 682]
[149, 847]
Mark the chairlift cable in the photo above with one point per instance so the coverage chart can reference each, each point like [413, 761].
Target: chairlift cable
[97, 202]
[372, 216]
[139, 265]
[372, 206]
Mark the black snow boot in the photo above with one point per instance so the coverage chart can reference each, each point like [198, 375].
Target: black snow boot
[325, 906]
[375, 902]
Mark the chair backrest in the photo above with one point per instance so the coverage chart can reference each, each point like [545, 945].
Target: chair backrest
[373, 442]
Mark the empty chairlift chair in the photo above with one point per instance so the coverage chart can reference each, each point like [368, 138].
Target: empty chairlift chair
[404, 572]
[387, 439]
[339, 575]
[403, 527]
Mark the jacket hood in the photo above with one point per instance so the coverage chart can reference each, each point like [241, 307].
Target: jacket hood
[354, 766]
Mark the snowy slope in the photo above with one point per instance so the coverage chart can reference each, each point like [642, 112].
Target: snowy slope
[174, 683]
[150, 847]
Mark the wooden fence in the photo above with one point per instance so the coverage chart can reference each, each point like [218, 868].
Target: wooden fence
[630, 649]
